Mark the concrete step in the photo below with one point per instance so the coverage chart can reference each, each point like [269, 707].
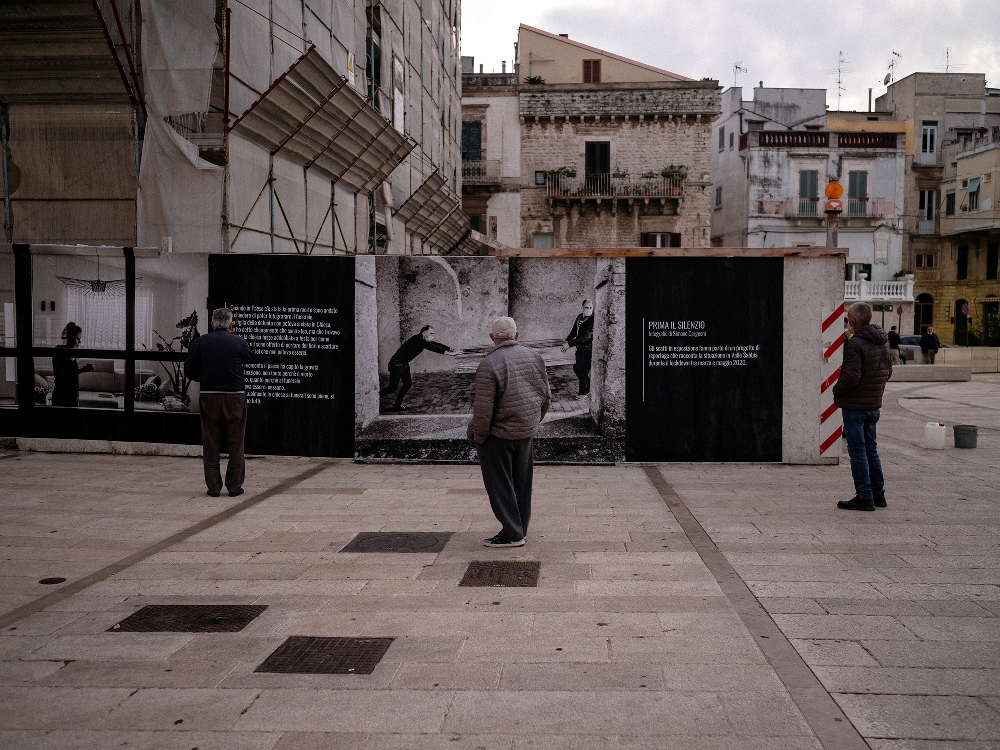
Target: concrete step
[930, 373]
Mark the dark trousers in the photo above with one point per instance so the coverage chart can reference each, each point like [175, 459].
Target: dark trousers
[866, 468]
[223, 428]
[396, 374]
[507, 470]
[582, 369]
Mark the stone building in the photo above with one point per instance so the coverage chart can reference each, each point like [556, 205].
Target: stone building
[613, 152]
[772, 158]
[944, 115]
[298, 126]
[491, 154]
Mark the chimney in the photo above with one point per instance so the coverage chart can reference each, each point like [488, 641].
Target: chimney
[503, 67]
[564, 36]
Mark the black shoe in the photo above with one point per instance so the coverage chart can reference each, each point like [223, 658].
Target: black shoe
[236, 492]
[856, 503]
[500, 541]
[878, 498]
[397, 407]
[213, 494]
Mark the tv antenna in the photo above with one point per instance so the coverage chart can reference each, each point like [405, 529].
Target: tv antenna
[947, 61]
[737, 69]
[840, 77]
[891, 75]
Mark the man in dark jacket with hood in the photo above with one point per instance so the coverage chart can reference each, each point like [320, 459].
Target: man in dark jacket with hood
[929, 344]
[858, 392]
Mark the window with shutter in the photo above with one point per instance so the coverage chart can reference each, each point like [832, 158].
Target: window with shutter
[591, 71]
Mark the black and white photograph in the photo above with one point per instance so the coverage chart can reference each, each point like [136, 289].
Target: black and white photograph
[428, 330]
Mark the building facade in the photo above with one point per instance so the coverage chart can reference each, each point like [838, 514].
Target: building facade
[772, 158]
[297, 126]
[611, 152]
[943, 114]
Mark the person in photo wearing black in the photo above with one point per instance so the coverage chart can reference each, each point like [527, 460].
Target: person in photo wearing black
[929, 344]
[65, 371]
[399, 363]
[894, 345]
[217, 361]
[582, 337]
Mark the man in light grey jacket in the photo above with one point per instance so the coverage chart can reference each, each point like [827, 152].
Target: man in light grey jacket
[511, 398]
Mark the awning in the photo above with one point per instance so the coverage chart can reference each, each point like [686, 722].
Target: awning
[973, 184]
[451, 232]
[430, 204]
[313, 117]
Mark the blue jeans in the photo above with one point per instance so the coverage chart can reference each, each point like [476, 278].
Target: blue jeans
[859, 429]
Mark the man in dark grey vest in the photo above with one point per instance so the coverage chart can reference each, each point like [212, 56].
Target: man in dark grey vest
[511, 399]
[217, 360]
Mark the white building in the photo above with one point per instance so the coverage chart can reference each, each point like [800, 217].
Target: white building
[292, 126]
[772, 158]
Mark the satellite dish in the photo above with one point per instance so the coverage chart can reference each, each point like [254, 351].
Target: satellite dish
[888, 77]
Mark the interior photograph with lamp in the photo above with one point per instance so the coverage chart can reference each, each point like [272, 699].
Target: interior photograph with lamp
[79, 302]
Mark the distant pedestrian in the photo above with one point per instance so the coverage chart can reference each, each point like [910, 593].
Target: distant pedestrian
[894, 345]
[399, 363]
[217, 361]
[65, 370]
[511, 399]
[582, 337]
[858, 392]
[929, 344]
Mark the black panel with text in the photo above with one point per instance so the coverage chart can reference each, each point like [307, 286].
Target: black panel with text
[297, 315]
[704, 359]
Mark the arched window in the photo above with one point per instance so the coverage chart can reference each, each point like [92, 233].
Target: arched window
[923, 313]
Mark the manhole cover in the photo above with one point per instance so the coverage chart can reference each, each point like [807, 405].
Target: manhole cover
[501, 573]
[313, 655]
[379, 541]
[190, 618]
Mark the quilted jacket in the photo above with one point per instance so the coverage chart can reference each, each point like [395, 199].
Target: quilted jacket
[511, 394]
[867, 366]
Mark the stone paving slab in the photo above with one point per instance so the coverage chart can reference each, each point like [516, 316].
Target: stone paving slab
[629, 641]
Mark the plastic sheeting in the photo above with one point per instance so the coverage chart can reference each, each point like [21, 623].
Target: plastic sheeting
[430, 204]
[311, 116]
[180, 43]
[180, 194]
[77, 181]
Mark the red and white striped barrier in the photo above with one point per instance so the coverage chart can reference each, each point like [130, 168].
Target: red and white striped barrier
[831, 421]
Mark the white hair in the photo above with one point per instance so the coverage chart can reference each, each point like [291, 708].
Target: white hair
[222, 317]
[504, 328]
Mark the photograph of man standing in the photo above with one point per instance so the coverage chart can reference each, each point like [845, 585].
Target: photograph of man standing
[399, 363]
[858, 392]
[217, 360]
[582, 337]
[511, 399]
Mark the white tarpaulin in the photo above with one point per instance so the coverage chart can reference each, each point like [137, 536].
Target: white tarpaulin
[310, 116]
[180, 194]
[179, 45]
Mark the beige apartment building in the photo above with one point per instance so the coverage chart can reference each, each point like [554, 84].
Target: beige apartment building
[946, 244]
[611, 152]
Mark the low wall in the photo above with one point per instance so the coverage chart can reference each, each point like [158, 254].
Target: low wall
[979, 358]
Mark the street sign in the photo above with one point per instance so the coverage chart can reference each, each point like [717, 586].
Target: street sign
[965, 309]
[899, 310]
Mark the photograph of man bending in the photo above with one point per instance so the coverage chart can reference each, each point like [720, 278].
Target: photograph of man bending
[399, 363]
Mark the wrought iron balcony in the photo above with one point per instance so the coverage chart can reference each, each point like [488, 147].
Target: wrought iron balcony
[484, 172]
[610, 186]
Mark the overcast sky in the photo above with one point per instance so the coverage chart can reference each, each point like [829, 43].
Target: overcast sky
[784, 43]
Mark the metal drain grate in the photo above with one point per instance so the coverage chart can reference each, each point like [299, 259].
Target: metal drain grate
[313, 655]
[380, 541]
[190, 618]
[501, 573]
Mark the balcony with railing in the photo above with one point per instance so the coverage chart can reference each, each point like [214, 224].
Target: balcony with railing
[484, 172]
[817, 139]
[610, 186]
[863, 290]
[869, 208]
